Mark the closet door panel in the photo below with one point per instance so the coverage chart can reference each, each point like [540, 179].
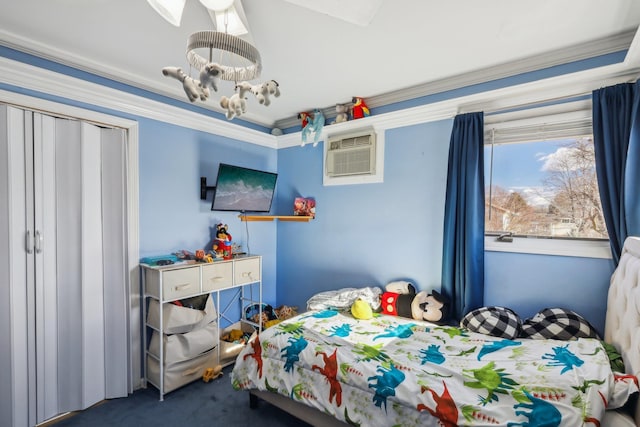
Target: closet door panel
[92, 318]
[14, 324]
[114, 225]
[46, 313]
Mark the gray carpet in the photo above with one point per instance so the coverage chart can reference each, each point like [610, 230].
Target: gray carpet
[197, 404]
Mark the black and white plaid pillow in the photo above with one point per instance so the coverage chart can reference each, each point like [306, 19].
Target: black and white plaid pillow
[496, 321]
[559, 324]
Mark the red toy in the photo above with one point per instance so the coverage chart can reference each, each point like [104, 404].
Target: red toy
[222, 244]
[304, 119]
[359, 109]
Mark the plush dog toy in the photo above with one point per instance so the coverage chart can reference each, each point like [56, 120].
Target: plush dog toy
[401, 299]
[264, 90]
[210, 76]
[192, 87]
[235, 105]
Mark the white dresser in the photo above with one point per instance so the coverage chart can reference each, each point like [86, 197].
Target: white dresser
[181, 342]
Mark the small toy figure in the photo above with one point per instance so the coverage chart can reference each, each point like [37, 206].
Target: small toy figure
[222, 245]
[313, 127]
[304, 119]
[212, 373]
[343, 113]
[359, 109]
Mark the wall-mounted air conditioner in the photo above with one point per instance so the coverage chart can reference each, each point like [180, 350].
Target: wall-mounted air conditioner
[349, 155]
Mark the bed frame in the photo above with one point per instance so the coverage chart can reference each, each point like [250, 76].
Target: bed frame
[622, 329]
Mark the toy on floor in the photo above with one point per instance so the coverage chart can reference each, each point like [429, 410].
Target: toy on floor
[212, 373]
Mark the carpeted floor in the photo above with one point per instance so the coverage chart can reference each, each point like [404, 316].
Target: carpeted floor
[197, 404]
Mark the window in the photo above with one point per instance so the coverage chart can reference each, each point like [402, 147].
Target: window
[540, 183]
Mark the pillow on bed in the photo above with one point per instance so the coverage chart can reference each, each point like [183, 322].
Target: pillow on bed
[496, 321]
[559, 324]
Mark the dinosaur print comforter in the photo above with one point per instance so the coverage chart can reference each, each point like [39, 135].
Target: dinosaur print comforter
[391, 371]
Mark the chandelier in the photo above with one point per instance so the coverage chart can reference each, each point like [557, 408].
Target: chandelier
[217, 55]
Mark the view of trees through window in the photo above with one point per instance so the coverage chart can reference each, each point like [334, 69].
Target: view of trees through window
[545, 188]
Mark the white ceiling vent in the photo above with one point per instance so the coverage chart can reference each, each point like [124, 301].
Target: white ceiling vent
[352, 155]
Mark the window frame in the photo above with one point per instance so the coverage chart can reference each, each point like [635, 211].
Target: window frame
[543, 123]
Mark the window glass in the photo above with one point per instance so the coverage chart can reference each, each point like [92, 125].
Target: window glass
[544, 189]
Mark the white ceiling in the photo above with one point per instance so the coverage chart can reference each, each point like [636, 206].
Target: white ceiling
[318, 60]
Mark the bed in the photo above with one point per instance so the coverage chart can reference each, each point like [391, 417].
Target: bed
[328, 368]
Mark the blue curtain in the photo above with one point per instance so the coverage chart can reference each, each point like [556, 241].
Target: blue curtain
[463, 244]
[616, 135]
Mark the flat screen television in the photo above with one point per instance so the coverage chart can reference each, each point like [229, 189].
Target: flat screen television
[243, 190]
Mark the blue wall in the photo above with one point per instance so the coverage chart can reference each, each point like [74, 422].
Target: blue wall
[530, 283]
[369, 234]
[363, 235]
[172, 215]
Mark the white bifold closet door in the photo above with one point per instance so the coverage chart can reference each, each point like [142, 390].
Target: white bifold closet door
[65, 186]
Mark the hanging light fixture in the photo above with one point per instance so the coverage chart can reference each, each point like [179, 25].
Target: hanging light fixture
[217, 5]
[171, 10]
[218, 55]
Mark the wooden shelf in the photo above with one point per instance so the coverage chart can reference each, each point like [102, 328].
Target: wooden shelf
[297, 218]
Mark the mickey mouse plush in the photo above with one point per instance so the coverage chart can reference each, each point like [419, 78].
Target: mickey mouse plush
[400, 299]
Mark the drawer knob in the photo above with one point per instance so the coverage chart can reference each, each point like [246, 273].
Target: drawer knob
[217, 278]
[179, 287]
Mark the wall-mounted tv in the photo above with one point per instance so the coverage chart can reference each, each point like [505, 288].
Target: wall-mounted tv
[243, 190]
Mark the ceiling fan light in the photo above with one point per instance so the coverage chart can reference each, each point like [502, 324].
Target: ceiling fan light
[217, 5]
[171, 10]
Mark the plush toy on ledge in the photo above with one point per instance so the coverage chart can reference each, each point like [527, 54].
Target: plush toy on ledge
[343, 113]
[401, 299]
[314, 126]
[359, 109]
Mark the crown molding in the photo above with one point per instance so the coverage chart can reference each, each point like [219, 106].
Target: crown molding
[72, 89]
[566, 55]
[29, 77]
[523, 96]
[106, 70]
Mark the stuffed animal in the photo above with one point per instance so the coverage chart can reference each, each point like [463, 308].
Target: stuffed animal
[304, 119]
[360, 309]
[262, 91]
[359, 109]
[343, 113]
[235, 105]
[192, 87]
[313, 127]
[242, 88]
[401, 299]
[210, 75]
[285, 312]
[222, 244]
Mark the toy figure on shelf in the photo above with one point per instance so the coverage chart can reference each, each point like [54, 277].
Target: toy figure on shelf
[342, 111]
[314, 126]
[359, 109]
[222, 244]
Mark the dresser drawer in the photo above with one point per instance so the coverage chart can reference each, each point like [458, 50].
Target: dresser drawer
[217, 276]
[176, 283]
[247, 271]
